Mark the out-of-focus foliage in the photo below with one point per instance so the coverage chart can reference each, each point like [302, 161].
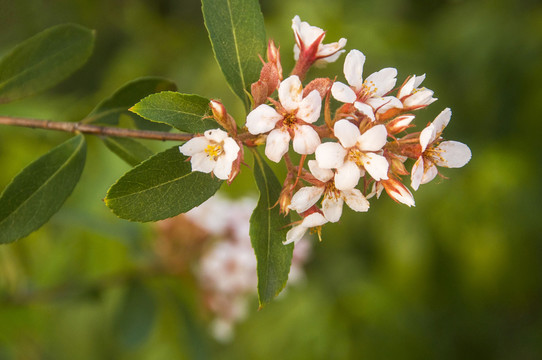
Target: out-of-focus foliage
[457, 276]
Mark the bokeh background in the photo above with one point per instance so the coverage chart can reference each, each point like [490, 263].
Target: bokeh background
[458, 276]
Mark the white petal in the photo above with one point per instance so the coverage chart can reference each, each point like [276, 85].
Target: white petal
[291, 93]
[308, 33]
[373, 139]
[330, 155]
[346, 132]
[376, 165]
[441, 121]
[194, 146]
[355, 200]
[347, 176]
[365, 110]
[295, 234]
[222, 168]
[417, 173]
[353, 69]
[306, 197]
[277, 144]
[321, 174]
[201, 162]
[419, 80]
[329, 51]
[332, 208]
[231, 149]
[313, 220]
[383, 104]
[422, 97]
[343, 92]
[381, 82]
[427, 136]
[306, 140]
[429, 173]
[407, 88]
[453, 154]
[216, 135]
[296, 52]
[262, 119]
[310, 106]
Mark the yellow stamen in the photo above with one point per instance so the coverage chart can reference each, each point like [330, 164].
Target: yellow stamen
[214, 150]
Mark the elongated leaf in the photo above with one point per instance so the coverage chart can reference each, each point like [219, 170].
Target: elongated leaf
[237, 33]
[267, 232]
[182, 111]
[109, 110]
[160, 187]
[40, 189]
[127, 149]
[44, 60]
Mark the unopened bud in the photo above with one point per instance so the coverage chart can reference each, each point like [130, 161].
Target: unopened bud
[222, 117]
[399, 124]
[398, 192]
[273, 56]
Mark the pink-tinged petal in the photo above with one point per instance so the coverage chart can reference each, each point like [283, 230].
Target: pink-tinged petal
[314, 220]
[203, 163]
[373, 139]
[417, 173]
[376, 165]
[332, 208]
[262, 119]
[324, 175]
[381, 82]
[343, 93]
[451, 154]
[231, 149]
[194, 146]
[330, 155]
[355, 200]
[295, 234]
[365, 110]
[403, 195]
[222, 168]
[441, 121]
[306, 140]
[291, 93]
[277, 144]
[306, 197]
[383, 104]
[309, 108]
[353, 69]
[347, 176]
[407, 88]
[427, 136]
[216, 135]
[346, 132]
[429, 173]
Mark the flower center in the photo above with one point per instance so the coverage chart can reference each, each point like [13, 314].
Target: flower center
[214, 150]
[356, 156]
[289, 121]
[331, 191]
[368, 89]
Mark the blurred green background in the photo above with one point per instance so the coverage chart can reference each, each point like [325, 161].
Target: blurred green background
[458, 276]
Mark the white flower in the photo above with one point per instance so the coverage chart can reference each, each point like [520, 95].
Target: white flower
[314, 220]
[292, 120]
[414, 97]
[450, 154]
[367, 96]
[309, 39]
[332, 204]
[214, 151]
[355, 153]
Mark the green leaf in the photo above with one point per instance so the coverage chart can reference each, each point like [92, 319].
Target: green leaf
[182, 111]
[129, 150]
[268, 230]
[109, 110]
[40, 189]
[160, 187]
[44, 60]
[136, 316]
[237, 33]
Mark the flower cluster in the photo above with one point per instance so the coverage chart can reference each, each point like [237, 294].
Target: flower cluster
[362, 146]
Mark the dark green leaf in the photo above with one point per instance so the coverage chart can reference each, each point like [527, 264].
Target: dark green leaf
[237, 33]
[40, 189]
[160, 187]
[267, 232]
[136, 316]
[44, 60]
[127, 149]
[182, 111]
[109, 110]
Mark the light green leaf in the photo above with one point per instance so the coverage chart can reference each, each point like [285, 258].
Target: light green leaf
[44, 60]
[182, 111]
[237, 33]
[129, 150]
[160, 187]
[40, 189]
[109, 110]
[267, 232]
